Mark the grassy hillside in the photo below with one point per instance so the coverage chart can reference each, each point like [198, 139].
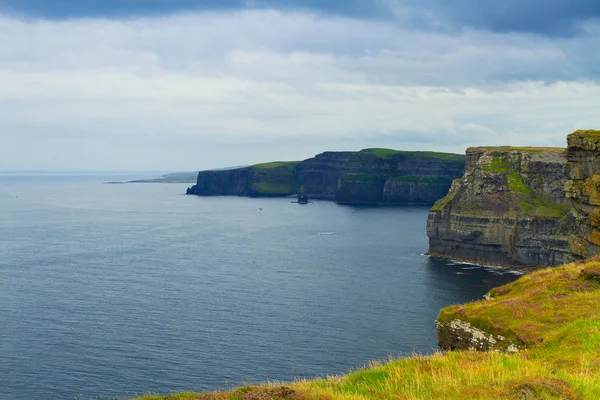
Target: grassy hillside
[277, 164]
[553, 314]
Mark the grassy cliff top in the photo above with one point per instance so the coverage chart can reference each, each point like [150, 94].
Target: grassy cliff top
[389, 153]
[276, 164]
[527, 149]
[554, 312]
[529, 310]
[592, 133]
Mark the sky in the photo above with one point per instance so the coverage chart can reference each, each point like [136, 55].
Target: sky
[183, 85]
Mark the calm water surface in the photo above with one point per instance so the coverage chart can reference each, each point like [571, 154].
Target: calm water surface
[113, 290]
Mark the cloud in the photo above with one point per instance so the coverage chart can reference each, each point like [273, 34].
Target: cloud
[201, 90]
[546, 17]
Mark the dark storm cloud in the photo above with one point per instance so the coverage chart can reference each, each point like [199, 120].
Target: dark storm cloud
[546, 17]
[125, 8]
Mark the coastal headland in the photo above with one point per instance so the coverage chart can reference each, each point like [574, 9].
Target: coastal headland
[370, 176]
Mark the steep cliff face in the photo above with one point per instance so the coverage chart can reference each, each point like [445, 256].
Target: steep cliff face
[583, 190]
[372, 176]
[319, 175]
[262, 180]
[380, 176]
[505, 210]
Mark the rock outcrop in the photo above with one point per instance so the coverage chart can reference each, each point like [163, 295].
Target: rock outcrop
[583, 190]
[523, 206]
[371, 176]
[505, 210]
[460, 335]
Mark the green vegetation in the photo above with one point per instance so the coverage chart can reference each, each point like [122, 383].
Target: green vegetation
[515, 149]
[531, 310]
[274, 188]
[441, 204]
[497, 165]
[516, 184]
[543, 207]
[277, 164]
[530, 203]
[375, 153]
[592, 133]
[552, 312]
[275, 178]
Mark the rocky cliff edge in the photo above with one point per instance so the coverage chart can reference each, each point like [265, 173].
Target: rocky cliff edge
[505, 209]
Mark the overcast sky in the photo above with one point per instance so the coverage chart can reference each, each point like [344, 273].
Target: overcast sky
[192, 84]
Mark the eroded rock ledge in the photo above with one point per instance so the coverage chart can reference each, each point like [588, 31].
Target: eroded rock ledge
[461, 335]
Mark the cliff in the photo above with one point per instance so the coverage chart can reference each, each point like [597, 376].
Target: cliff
[583, 190]
[522, 206]
[545, 326]
[371, 176]
[261, 180]
[381, 176]
[505, 209]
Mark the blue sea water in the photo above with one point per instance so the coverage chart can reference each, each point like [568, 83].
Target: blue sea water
[116, 290]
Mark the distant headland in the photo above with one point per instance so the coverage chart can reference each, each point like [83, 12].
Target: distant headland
[370, 176]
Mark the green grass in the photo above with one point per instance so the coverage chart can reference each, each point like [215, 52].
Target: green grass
[543, 207]
[277, 164]
[496, 165]
[516, 184]
[522, 196]
[553, 313]
[593, 133]
[274, 188]
[515, 149]
[441, 204]
[389, 153]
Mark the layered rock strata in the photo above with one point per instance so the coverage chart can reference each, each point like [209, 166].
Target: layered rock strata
[583, 190]
[505, 210]
[371, 176]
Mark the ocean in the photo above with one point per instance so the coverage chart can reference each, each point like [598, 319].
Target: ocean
[113, 290]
